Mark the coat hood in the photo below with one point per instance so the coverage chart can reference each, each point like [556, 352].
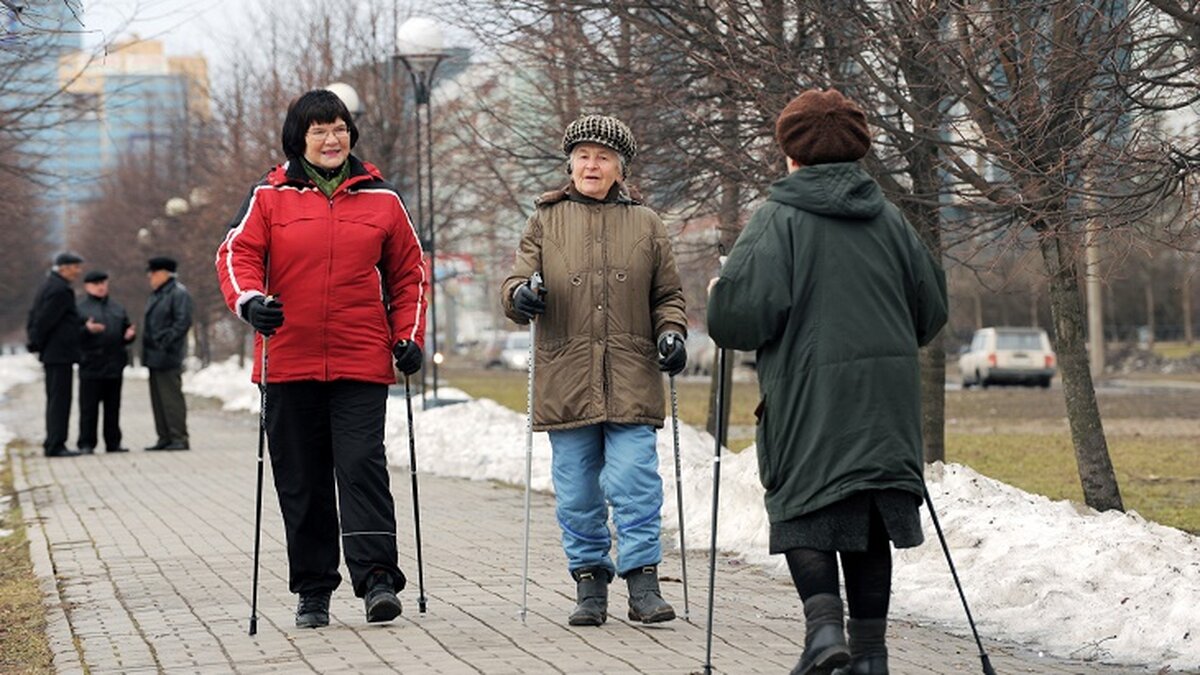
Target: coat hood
[841, 190]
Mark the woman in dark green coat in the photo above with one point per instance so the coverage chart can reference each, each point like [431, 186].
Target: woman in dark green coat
[836, 292]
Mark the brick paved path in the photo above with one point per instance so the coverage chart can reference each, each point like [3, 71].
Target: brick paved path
[145, 560]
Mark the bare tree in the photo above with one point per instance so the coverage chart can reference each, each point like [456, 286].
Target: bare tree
[24, 253]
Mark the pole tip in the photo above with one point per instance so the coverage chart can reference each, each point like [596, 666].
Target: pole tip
[253, 626]
[421, 605]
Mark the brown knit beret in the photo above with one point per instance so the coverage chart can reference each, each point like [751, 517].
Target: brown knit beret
[822, 127]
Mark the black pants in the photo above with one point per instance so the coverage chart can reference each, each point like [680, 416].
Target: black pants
[59, 383]
[318, 431]
[170, 408]
[92, 393]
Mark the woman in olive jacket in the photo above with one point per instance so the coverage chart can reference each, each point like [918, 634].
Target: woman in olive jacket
[836, 292]
[612, 317]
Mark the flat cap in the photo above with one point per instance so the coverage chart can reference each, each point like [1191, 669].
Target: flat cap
[67, 258]
[95, 276]
[161, 262]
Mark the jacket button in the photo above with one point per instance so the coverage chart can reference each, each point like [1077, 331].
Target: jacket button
[600, 307]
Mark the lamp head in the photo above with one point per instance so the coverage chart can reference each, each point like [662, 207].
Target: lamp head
[348, 95]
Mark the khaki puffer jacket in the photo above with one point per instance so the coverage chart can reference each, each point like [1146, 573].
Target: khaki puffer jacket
[611, 289]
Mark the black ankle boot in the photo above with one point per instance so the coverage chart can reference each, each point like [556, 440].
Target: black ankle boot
[868, 649]
[313, 610]
[380, 601]
[591, 596]
[824, 638]
[646, 603]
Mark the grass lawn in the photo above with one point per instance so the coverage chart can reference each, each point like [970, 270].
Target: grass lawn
[1158, 478]
[1176, 350]
[1017, 435]
[23, 645]
[508, 388]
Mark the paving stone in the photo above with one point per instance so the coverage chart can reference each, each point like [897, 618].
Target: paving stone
[145, 561]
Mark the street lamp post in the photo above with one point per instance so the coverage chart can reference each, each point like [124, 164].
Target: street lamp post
[419, 48]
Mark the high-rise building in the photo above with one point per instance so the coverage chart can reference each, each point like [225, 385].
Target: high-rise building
[74, 112]
[131, 101]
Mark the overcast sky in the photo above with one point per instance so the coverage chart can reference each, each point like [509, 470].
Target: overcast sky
[185, 26]
[208, 27]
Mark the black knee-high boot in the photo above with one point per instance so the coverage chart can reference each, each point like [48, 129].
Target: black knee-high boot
[868, 649]
[824, 636]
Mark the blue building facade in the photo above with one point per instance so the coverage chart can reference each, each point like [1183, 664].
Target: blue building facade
[82, 112]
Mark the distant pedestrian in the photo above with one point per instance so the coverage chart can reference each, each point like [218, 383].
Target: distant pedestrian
[330, 239]
[164, 344]
[53, 332]
[835, 291]
[105, 345]
[612, 318]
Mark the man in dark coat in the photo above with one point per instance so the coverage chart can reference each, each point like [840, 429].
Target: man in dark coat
[100, 369]
[164, 343]
[53, 332]
[836, 292]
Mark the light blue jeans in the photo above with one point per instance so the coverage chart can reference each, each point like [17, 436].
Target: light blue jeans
[604, 464]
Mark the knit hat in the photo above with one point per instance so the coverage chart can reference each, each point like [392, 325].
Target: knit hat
[822, 127]
[94, 276]
[161, 262]
[603, 130]
[67, 258]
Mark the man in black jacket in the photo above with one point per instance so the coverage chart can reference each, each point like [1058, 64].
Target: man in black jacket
[164, 342]
[54, 330]
[103, 360]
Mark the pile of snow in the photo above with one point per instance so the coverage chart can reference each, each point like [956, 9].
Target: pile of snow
[1052, 575]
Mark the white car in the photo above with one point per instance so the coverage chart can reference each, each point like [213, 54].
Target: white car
[515, 354]
[1008, 355]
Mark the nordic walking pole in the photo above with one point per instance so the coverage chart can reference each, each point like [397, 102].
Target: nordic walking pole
[717, 487]
[535, 285]
[712, 549]
[412, 470]
[983, 657]
[679, 490]
[262, 443]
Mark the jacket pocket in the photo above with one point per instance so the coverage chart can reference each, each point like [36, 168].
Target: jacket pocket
[766, 469]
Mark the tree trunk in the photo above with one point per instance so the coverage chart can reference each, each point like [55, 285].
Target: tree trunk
[1150, 312]
[1096, 474]
[730, 224]
[711, 422]
[933, 398]
[1187, 306]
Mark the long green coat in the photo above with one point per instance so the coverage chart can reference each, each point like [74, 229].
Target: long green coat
[834, 289]
[611, 290]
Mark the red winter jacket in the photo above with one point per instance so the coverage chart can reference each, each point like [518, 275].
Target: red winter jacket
[347, 268]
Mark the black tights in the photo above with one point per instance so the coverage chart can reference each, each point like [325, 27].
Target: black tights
[868, 573]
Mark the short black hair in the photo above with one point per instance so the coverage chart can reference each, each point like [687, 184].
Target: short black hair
[319, 106]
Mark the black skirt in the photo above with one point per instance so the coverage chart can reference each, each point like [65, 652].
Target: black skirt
[842, 526]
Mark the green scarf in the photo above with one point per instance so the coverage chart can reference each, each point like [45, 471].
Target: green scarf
[326, 180]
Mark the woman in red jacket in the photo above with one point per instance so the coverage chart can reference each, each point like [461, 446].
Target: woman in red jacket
[330, 241]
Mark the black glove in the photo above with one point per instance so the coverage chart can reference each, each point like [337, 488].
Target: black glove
[672, 353]
[527, 303]
[408, 357]
[265, 317]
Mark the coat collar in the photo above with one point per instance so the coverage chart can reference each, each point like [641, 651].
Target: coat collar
[292, 173]
[620, 193]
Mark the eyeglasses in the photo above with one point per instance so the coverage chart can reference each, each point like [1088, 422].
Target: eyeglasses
[322, 134]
